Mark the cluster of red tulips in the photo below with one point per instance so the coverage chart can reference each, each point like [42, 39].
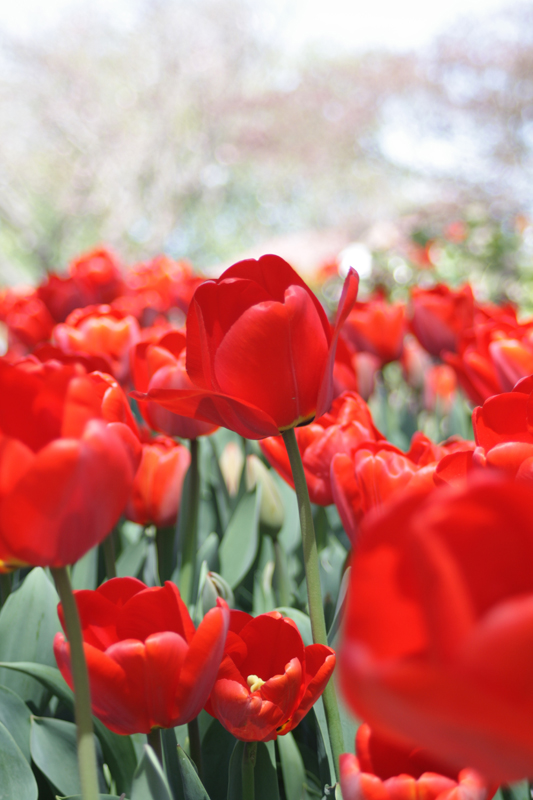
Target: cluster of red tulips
[111, 378]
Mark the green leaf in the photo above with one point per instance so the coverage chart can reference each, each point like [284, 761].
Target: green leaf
[238, 548]
[131, 560]
[149, 782]
[54, 750]
[100, 796]
[119, 753]
[265, 774]
[85, 571]
[217, 747]
[292, 767]
[170, 754]
[192, 786]
[28, 624]
[16, 776]
[15, 715]
[289, 535]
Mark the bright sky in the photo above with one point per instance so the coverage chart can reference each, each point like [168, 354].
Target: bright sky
[343, 23]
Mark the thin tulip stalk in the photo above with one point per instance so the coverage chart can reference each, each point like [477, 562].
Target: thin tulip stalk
[249, 757]
[82, 695]
[189, 540]
[314, 593]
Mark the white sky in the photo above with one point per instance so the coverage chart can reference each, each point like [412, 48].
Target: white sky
[359, 24]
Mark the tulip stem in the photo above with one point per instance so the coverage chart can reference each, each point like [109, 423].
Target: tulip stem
[195, 745]
[314, 593]
[5, 585]
[82, 695]
[154, 740]
[249, 756]
[189, 543]
[108, 546]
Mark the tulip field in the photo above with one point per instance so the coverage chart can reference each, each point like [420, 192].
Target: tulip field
[267, 540]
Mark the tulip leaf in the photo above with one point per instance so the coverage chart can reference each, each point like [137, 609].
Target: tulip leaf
[238, 548]
[217, 747]
[85, 571]
[292, 767]
[326, 764]
[149, 782]
[119, 753]
[16, 776]
[54, 750]
[193, 788]
[169, 745]
[15, 715]
[131, 560]
[265, 774]
[28, 624]
[289, 535]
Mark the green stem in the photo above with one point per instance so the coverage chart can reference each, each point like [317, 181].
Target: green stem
[189, 544]
[108, 546]
[195, 745]
[281, 576]
[5, 585]
[154, 740]
[314, 593]
[249, 755]
[80, 678]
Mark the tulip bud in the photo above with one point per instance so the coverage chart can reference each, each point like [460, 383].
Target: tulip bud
[231, 464]
[272, 512]
[212, 587]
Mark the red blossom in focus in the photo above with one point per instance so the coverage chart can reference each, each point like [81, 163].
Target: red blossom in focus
[436, 649]
[148, 666]
[343, 429]
[260, 350]
[268, 680]
[385, 770]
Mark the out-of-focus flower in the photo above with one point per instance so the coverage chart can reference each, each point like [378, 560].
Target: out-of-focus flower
[148, 666]
[440, 316]
[98, 276]
[378, 328]
[27, 319]
[163, 283]
[385, 770]
[260, 350]
[415, 362]
[100, 330]
[268, 680]
[231, 465]
[342, 430]
[436, 649]
[65, 470]
[161, 365]
[157, 486]
[61, 295]
[440, 387]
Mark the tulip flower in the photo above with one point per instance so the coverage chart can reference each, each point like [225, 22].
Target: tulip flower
[260, 350]
[377, 327]
[440, 315]
[67, 462]
[148, 666]
[161, 365]
[384, 770]
[98, 276]
[436, 648]
[156, 492]
[346, 427]
[268, 680]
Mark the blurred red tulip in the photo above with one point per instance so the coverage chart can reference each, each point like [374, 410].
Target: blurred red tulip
[148, 666]
[440, 385]
[98, 276]
[161, 365]
[436, 649]
[268, 680]
[27, 318]
[377, 327]
[156, 492]
[384, 770]
[260, 350]
[342, 430]
[440, 315]
[65, 470]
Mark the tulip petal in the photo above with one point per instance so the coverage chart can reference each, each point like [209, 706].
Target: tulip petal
[152, 610]
[319, 666]
[245, 715]
[272, 643]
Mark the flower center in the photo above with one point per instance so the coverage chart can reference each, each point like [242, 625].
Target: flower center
[254, 682]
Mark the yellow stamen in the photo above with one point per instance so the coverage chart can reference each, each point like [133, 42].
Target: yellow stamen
[254, 682]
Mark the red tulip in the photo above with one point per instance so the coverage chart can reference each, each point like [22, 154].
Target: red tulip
[440, 316]
[65, 470]
[436, 649]
[378, 328]
[260, 350]
[148, 666]
[98, 276]
[100, 330]
[268, 680]
[161, 365]
[27, 318]
[342, 430]
[156, 491]
[384, 770]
